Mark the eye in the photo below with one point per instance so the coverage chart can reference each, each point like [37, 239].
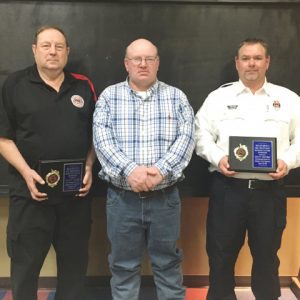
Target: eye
[245, 58]
[137, 60]
[59, 47]
[258, 57]
[150, 59]
[45, 46]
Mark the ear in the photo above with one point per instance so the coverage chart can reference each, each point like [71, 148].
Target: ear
[268, 61]
[158, 63]
[33, 47]
[126, 64]
[236, 62]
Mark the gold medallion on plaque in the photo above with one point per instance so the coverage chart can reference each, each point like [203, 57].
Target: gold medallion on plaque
[241, 152]
[52, 178]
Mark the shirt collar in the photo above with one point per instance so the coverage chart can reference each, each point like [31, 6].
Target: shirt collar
[34, 76]
[149, 92]
[241, 88]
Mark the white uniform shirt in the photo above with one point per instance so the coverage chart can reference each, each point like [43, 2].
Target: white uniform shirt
[232, 110]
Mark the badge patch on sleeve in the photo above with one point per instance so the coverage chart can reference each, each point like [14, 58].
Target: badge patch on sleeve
[77, 101]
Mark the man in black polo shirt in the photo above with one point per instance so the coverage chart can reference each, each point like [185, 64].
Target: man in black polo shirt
[46, 114]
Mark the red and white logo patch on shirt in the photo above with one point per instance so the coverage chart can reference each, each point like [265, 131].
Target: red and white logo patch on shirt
[276, 104]
[77, 101]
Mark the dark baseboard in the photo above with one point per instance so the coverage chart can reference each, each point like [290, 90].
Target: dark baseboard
[242, 281]
[189, 281]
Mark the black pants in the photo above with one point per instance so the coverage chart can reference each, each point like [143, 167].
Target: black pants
[32, 228]
[234, 209]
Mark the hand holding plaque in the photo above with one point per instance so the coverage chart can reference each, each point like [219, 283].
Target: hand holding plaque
[253, 154]
[61, 176]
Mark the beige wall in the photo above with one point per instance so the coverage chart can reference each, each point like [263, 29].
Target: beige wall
[192, 241]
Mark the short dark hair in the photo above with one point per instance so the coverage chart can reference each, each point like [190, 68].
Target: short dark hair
[252, 41]
[46, 27]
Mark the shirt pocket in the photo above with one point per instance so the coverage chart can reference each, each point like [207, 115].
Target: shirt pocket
[230, 115]
[277, 117]
[277, 123]
[229, 122]
[169, 123]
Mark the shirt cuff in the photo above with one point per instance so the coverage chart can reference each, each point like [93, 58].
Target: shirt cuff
[129, 168]
[163, 170]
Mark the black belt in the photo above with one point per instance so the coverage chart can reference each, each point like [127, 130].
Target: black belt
[252, 184]
[143, 195]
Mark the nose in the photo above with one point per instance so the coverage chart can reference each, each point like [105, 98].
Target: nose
[143, 62]
[52, 49]
[252, 62]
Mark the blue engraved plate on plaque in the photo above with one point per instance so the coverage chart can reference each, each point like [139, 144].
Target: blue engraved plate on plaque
[262, 154]
[72, 180]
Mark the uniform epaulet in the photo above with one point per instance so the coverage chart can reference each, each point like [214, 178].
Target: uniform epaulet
[226, 85]
[83, 77]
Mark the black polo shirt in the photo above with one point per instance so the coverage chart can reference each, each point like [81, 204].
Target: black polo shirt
[44, 123]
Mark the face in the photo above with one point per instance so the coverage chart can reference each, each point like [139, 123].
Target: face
[141, 63]
[252, 64]
[51, 51]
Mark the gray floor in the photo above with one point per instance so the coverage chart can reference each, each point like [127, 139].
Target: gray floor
[246, 294]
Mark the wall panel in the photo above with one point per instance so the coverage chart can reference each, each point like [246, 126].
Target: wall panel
[197, 40]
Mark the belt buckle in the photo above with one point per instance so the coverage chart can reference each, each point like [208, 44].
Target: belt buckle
[251, 184]
[142, 195]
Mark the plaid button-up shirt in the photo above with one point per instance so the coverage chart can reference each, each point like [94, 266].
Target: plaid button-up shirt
[129, 130]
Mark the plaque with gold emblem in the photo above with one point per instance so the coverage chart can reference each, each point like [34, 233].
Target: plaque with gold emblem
[253, 154]
[61, 176]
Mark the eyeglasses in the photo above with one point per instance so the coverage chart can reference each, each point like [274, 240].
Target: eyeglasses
[149, 60]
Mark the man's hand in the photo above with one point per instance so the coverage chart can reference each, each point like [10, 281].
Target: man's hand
[154, 177]
[137, 179]
[281, 170]
[224, 166]
[143, 179]
[87, 183]
[12, 154]
[32, 178]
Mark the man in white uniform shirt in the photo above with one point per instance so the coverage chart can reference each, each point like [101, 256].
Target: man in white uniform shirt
[247, 201]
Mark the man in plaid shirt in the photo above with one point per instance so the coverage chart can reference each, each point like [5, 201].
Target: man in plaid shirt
[144, 138]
